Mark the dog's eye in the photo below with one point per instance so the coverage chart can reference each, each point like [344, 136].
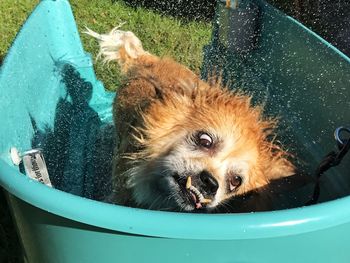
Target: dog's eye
[235, 182]
[205, 140]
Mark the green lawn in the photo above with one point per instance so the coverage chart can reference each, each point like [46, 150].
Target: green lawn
[161, 35]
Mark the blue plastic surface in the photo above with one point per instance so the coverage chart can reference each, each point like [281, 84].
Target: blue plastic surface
[50, 96]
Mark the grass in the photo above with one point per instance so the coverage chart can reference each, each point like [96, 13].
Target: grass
[12, 15]
[161, 35]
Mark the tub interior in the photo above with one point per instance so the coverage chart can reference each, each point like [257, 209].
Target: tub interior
[52, 100]
[298, 77]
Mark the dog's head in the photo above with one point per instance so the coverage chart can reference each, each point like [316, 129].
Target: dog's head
[198, 150]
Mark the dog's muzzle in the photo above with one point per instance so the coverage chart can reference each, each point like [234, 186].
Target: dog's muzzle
[200, 189]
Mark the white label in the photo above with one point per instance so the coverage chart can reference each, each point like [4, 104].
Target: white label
[35, 167]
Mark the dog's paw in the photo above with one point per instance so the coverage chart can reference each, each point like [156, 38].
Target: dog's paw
[118, 45]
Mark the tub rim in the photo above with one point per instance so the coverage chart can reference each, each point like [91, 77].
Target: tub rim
[182, 226]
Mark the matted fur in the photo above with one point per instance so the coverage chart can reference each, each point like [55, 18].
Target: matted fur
[160, 109]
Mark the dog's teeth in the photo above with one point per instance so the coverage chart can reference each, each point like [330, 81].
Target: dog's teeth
[195, 190]
[188, 182]
[199, 195]
[206, 201]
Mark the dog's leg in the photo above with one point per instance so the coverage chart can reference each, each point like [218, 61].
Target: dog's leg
[125, 48]
[121, 46]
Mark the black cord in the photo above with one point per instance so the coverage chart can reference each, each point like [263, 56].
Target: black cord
[330, 160]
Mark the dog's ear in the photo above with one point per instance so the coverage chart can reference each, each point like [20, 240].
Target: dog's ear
[159, 93]
[280, 167]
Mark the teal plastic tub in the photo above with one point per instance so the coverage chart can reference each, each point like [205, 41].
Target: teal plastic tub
[50, 99]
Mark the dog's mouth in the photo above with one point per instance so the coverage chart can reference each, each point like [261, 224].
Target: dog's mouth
[197, 197]
[193, 194]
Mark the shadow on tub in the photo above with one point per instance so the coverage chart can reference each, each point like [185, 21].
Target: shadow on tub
[78, 149]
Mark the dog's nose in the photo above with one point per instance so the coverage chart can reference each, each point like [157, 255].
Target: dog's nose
[210, 185]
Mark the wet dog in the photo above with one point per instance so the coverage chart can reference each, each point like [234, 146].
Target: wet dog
[184, 144]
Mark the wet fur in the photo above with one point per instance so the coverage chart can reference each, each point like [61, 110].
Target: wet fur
[159, 107]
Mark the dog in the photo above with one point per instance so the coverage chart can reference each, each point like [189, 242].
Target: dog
[184, 144]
